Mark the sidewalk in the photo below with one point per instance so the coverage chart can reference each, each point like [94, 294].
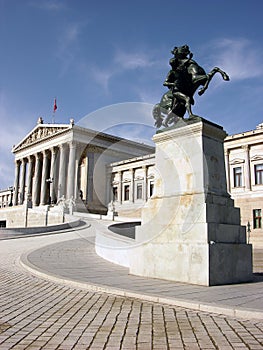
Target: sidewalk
[75, 263]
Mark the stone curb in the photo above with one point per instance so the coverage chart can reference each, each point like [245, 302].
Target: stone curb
[225, 310]
[38, 234]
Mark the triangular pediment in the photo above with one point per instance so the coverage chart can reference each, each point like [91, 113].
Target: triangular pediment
[39, 133]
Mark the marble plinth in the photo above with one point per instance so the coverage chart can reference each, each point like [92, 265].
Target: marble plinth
[190, 228]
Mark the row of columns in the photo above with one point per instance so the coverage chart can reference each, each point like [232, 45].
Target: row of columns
[41, 179]
[5, 200]
[121, 183]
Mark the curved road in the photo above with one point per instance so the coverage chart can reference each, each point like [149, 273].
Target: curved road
[39, 314]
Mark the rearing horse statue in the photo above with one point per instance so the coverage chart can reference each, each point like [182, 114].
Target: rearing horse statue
[185, 77]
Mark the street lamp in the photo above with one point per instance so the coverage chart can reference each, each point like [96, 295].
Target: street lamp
[49, 181]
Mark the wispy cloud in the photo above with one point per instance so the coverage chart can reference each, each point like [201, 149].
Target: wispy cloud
[102, 77]
[49, 5]
[11, 133]
[150, 95]
[120, 114]
[68, 45]
[240, 58]
[69, 36]
[133, 60]
[122, 61]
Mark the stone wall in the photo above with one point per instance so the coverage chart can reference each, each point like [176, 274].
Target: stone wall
[255, 236]
[21, 216]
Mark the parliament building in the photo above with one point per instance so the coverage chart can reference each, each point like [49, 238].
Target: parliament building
[95, 171]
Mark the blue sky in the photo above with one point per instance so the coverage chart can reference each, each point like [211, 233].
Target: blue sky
[93, 54]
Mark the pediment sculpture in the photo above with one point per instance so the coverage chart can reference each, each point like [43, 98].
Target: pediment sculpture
[41, 132]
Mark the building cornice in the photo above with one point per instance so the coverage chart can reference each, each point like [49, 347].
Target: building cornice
[110, 138]
[244, 135]
[133, 160]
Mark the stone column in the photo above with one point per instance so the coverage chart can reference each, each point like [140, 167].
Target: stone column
[120, 187]
[90, 185]
[22, 182]
[144, 189]
[30, 178]
[227, 151]
[62, 171]
[132, 185]
[71, 169]
[16, 184]
[246, 148]
[44, 184]
[37, 180]
[53, 175]
[108, 189]
[79, 151]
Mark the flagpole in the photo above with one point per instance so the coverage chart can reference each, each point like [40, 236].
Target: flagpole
[54, 110]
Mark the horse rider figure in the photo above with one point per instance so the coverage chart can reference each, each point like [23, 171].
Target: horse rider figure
[182, 81]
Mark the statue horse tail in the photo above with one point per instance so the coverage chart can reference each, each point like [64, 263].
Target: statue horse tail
[157, 115]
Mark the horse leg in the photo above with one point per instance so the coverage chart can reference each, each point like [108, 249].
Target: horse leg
[209, 78]
[187, 102]
[223, 74]
[171, 117]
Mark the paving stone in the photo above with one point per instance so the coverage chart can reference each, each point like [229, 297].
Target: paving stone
[41, 314]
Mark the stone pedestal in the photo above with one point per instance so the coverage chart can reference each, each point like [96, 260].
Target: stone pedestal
[190, 228]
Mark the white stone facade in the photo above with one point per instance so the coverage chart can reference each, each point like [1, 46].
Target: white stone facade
[66, 162]
[132, 184]
[6, 197]
[57, 161]
[244, 169]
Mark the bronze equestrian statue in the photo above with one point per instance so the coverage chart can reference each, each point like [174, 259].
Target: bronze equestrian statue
[184, 78]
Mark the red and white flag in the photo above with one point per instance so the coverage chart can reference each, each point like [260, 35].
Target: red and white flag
[55, 106]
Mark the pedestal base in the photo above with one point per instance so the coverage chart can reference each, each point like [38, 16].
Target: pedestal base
[203, 264]
[190, 228]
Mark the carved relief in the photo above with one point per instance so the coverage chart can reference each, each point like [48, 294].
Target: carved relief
[38, 134]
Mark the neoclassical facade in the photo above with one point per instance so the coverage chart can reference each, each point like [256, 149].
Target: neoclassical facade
[66, 161]
[132, 184]
[244, 170]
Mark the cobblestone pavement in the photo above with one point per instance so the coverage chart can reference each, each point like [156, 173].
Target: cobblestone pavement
[39, 314]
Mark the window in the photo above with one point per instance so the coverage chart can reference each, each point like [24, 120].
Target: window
[139, 191]
[126, 192]
[115, 194]
[237, 177]
[3, 223]
[257, 218]
[259, 174]
[151, 188]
